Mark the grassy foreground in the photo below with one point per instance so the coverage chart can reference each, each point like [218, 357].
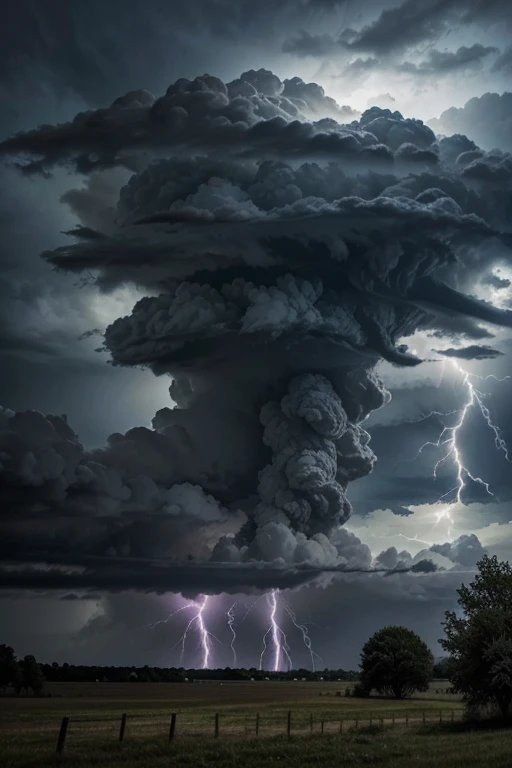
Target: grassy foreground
[397, 738]
[430, 747]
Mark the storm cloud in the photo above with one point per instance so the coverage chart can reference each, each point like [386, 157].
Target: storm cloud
[486, 119]
[272, 289]
[440, 63]
[473, 352]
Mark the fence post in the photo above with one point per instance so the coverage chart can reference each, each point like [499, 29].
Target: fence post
[341, 726]
[357, 723]
[423, 718]
[393, 720]
[440, 715]
[453, 716]
[122, 728]
[62, 734]
[172, 727]
[257, 723]
[311, 723]
[381, 722]
[407, 719]
[289, 724]
[217, 726]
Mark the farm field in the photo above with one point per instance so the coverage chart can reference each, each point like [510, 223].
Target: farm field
[374, 731]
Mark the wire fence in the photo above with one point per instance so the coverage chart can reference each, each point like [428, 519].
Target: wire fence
[176, 725]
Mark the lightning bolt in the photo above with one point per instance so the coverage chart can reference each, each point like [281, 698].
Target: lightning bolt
[231, 621]
[164, 621]
[305, 634]
[278, 637]
[449, 437]
[205, 637]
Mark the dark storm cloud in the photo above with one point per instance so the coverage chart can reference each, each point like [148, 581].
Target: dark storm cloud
[190, 580]
[148, 492]
[495, 281]
[445, 62]
[409, 23]
[394, 30]
[457, 329]
[94, 203]
[486, 119]
[61, 50]
[418, 21]
[493, 167]
[278, 288]
[314, 45]
[200, 114]
[430, 293]
[504, 62]
[473, 352]
[466, 550]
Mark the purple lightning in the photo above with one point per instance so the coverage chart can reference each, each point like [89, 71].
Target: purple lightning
[279, 642]
[449, 437]
[275, 631]
[164, 621]
[204, 635]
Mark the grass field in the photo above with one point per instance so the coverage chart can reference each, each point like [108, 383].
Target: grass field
[29, 727]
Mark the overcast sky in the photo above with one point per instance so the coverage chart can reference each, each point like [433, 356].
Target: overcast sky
[421, 57]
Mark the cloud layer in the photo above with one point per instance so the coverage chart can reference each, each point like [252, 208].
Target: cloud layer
[273, 288]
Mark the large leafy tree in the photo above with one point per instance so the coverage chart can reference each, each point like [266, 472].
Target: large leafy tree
[32, 675]
[396, 662]
[9, 669]
[479, 637]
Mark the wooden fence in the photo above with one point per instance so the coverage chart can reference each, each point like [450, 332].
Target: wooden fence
[255, 727]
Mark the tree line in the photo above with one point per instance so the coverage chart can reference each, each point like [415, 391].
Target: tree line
[79, 673]
[25, 674]
[395, 661]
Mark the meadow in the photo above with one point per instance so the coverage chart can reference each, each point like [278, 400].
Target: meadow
[252, 727]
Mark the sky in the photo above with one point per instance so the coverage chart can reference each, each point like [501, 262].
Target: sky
[255, 318]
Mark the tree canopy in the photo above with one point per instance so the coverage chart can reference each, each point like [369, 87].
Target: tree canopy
[396, 662]
[9, 670]
[32, 677]
[479, 637]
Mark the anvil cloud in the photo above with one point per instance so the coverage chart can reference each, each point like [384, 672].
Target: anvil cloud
[285, 248]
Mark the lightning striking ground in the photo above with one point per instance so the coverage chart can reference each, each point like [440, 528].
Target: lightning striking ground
[278, 637]
[205, 637]
[231, 622]
[305, 634]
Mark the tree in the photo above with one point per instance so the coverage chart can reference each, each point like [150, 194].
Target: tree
[32, 675]
[9, 670]
[479, 638]
[396, 662]
[442, 668]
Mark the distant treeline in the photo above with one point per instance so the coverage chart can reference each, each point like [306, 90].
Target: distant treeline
[70, 673]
